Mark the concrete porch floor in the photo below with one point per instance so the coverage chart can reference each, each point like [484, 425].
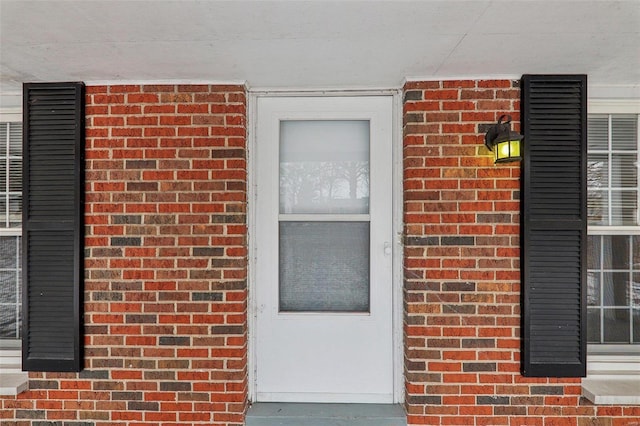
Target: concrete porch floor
[306, 414]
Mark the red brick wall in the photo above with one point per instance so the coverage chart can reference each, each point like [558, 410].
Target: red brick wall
[462, 277]
[165, 264]
[166, 300]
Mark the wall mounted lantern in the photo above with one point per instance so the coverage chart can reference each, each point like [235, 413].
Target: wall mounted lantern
[504, 142]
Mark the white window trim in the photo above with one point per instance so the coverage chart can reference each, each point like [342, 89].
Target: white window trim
[10, 114]
[614, 106]
[397, 196]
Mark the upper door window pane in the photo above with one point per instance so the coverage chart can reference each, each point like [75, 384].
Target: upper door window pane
[324, 167]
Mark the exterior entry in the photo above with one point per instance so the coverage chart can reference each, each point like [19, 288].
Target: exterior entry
[323, 278]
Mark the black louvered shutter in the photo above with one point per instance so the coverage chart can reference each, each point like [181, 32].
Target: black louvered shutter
[554, 225]
[53, 169]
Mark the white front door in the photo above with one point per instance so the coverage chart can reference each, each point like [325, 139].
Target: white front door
[323, 279]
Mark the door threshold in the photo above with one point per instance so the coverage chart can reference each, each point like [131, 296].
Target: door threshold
[309, 414]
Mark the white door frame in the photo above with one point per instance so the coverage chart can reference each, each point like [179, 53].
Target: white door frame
[397, 226]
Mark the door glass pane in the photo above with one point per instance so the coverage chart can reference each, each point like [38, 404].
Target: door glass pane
[324, 166]
[324, 266]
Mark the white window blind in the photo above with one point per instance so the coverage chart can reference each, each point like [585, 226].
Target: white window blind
[10, 229]
[613, 170]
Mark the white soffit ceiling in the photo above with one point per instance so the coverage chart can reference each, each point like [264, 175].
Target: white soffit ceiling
[316, 44]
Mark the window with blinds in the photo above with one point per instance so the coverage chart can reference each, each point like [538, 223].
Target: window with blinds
[613, 302]
[10, 229]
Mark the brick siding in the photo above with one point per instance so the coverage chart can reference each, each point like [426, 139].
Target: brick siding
[165, 264]
[461, 271]
[166, 267]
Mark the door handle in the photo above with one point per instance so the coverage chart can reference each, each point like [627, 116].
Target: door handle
[387, 248]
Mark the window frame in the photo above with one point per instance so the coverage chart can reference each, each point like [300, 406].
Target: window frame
[11, 115]
[612, 107]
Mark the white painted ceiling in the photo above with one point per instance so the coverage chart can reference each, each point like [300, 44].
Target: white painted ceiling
[316, 43]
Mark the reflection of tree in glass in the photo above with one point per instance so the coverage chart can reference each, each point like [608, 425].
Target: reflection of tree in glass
[593, 289]
[297, 185]
[596, 179]
[329, 187]
[345, 180]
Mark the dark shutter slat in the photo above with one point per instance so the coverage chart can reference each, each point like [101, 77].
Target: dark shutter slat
[53, 168]
[554, 226]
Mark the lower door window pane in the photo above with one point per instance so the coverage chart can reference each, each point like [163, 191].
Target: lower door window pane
[324, 266]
